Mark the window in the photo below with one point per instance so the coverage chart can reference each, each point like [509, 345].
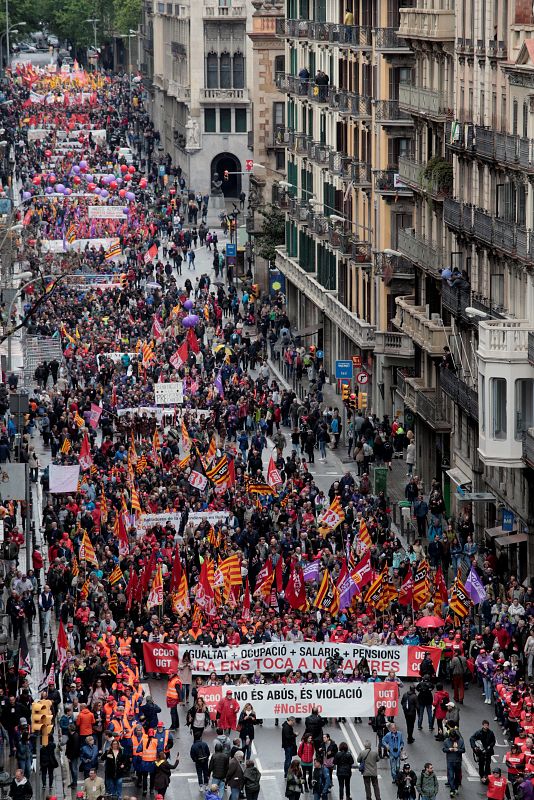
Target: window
[279, 64]
[280, 160]
[239, 71]
[524, 406]
[240, 120]
[212, 70]
[498, 408]
[225, 120]
[210, 122]
[482, 385]
[279, 114]
[225, 67]
[525, 120]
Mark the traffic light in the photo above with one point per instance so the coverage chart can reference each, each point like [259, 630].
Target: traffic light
[226, 174]
[124, 280]
[42, 719]
[352, 402]
[345, 392]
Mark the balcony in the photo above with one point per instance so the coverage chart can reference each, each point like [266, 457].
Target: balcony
[298, 210]
[387, 182]
[509, 238]
[387, 40]
[179, 92]
[528, 447]
[339, 239]
[435, 25]
[361, 253]
[426, 254]
[423, 102]
[320, 224]
[228, 96]
[281, 137]
[456, 300]
[429, 333]
[459, 392]
[354, 36]
[319, 153]
[388, 112]
[425, 178]
[291, 84]
[212, 9]
[345, 102]
[359, 331]
[391, 267]
[318, 92]
[531, 348]
[514, 152]
[339, 164]
[423, 400]
[394, 345]
[360, 174]
[299, 142]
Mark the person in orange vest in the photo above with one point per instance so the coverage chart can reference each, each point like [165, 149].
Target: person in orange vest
[173, 698]
[498, 786]
[165, 740]
[148, 761]
[139, 740]
[515, 762]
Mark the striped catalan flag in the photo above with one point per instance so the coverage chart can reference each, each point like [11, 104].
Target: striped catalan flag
[231, 570]
[364, 535]
[147, 351]
[84, 591]
[218, 474]
[103, 506]
[141, 465]
[184, 462]
[71, 233]
[113, 663]
[75, 567]
[214, 537]
[66, 447]
[113, 251]
[79, 420]
[136, 502]
[212, 449]
[87, 551]
[116, 576]
[258, 487]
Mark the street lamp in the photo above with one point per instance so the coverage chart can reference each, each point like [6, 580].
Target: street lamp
[94, 22]
[24, 276]
[9, 29]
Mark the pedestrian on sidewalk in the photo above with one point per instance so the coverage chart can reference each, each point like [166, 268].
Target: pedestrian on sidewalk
[48, 763]
[252, 780]
[454, 748]
[394, 744]
[367, 764]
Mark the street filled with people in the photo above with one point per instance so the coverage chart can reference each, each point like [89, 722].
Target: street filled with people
[198, 589]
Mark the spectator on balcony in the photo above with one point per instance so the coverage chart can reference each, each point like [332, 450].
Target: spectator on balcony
[446, 274]
[321, 82]
[304, 78]
[459, 280]
[349, 17]
[447, 361]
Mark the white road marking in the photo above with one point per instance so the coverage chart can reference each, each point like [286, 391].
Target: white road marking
[255, 754]
[356, 734]
[349, 741]
[470, 767]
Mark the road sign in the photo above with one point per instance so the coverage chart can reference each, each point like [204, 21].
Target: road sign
[362, 377]
[508, 520]
[249, 164]
[356, 362]
[231, 249]
[343, 370]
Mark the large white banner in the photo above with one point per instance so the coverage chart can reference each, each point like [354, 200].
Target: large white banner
[147, 521]
[277, 657]
[58, 246]
[107, 212]
[63, 479]
[272, 700]
[213, 517]
[165, 393]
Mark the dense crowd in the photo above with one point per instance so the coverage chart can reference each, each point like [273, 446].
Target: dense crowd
[242, 520]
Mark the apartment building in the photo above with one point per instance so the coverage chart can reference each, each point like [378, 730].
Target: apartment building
[472, 407]
[346, 135]
[198, 68]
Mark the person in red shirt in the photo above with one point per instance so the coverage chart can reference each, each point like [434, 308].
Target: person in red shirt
[502, 636]
[498, 786]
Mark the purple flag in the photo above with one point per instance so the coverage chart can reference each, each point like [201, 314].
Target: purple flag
[218, 383]
[347, 589]
[311, 571]
[474, 587]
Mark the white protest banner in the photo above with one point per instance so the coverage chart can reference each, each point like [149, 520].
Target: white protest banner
[272, 700]
[166, 393]
[277, 657]
[107, 212]
[63, 479]
[13, 482]
[147, 521]
[115, 357]
[57, 245]
[150, 411]
[213, 517]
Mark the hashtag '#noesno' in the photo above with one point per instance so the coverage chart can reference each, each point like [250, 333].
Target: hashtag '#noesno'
[276, 709]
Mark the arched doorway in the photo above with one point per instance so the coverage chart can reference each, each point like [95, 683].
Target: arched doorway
[231, 187]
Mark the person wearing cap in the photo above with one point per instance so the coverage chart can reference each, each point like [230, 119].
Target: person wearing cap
[148, 761]
[515, 762]
[498, 786]
[165, 740]
[406, 783]
[226, 712]
[483, 744]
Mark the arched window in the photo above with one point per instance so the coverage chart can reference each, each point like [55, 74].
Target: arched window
[239, 71]
[212, 69]
[225, 66]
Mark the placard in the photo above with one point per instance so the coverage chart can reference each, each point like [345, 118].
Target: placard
[147, 521]
[107, 212]
[168, 393]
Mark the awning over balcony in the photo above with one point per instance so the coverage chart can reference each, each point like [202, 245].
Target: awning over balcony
[458, 477]
[514, 538]
[476, 497]
[495, 533]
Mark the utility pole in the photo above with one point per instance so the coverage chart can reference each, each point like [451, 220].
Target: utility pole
[7, 33]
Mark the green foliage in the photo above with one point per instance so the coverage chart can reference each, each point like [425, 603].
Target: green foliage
[272, 233]
[439, 172]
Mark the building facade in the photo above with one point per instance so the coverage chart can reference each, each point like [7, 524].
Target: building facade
[198, 73]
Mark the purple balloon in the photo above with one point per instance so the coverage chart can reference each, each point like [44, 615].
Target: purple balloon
[104, 194]
[188, 305]
[49, 190]
[68, 191]
[88, 178]
[111, 177]
[26, 195]
[106, 179]
[96, 190]
[190, 321]
[76, 169]
[60, 188]
[130, 196]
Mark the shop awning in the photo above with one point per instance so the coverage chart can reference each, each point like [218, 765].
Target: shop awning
[493, 533]
[476, 497]
[458, 477]
[304, 332]
[514, 538]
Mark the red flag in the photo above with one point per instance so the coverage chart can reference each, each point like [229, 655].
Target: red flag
[180, 357]
[406, 591]
[176, 574]
[150, 254]
[131, 589]
[441, 586]
[279, 574]
[230, 481]
[296, 590]
[362, 572]
[192, 340]
[247, 601]
[61, 645]
[85, 458]
[264, 579]
[274, 479]
[147, 572]
[122, 535]
[205, 596]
